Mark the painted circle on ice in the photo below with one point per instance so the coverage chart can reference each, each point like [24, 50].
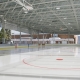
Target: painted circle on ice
[42, 67]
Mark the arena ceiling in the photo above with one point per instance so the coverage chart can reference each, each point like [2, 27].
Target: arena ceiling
[49, 16]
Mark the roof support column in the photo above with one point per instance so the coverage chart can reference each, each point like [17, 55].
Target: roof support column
[52, 41]
[20, 35]
[54, 38]
[30, 31]
[38, 38]
[43, 38]
[68, 37]
[31, 38]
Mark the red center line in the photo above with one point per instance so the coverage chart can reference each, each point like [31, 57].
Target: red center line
[48, 67]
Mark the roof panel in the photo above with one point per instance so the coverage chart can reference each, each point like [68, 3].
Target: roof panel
[44, 14]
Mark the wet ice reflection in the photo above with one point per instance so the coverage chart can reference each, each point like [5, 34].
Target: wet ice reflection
[44, 58]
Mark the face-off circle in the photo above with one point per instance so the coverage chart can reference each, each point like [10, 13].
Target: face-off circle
[42, 67]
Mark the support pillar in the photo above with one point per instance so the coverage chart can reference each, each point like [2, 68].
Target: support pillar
[31, 38]
[20, 35]
[54, 39]
[30, 32]
[38, 38]
[68, 38]
[51, 38]
[43, 38]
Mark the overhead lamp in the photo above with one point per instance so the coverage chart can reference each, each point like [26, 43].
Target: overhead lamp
[29, 7]
[41, 20]
[33, 26]
[25, 12]
[49, 24]
[65, 18]
[69, 23]
[58, 8]
[1, 15]
[5, 20]
[63, 28]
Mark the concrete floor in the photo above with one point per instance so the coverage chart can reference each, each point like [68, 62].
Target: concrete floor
[41, 63]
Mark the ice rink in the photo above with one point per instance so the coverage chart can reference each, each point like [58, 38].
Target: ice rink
[48, 63]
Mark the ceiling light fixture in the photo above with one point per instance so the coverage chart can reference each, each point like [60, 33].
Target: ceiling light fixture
[65, 18]
[69, 23]
[41, 20]
[58, 8]
[1, 15]
[25, 12]
[5, 20]
[49, 24]
[33, 26]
